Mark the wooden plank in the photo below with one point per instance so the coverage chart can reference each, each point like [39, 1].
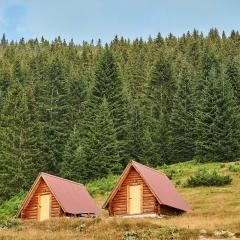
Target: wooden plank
[120, 202]
[31, 211]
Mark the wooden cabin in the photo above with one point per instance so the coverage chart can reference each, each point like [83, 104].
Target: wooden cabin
[52, 196]
[144, 191]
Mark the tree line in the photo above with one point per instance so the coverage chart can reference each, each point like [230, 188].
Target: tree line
[82, 111]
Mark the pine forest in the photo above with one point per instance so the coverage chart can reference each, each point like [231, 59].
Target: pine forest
[83, 111]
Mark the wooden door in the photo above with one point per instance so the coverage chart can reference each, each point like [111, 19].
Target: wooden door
[44, 207]
[135, 199]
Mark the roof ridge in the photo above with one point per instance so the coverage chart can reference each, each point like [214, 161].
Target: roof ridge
[64, 179]
[160, 172]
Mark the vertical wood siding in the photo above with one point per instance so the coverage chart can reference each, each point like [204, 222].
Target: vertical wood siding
[118, 205]
[31, 209]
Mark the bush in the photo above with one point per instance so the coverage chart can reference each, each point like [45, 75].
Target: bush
[81, 227]
[173, 173]
[178, 183]
[222, 165]
[207, 178]
[9, 223]
[102, 186]
[234, 168]
[130, 236]
[9, 208]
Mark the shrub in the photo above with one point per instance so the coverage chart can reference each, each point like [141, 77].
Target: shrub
[102, 186]
[208, 178]
[9, 223]
[81, 227]
[173, 173]
[234, 168]
[130, 236]
[178, 182]
[222, 165]
[9, 208]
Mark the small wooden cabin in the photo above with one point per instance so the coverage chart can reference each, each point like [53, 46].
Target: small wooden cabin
[144, 191]
[52, 196]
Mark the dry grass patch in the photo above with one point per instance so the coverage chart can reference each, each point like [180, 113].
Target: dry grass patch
[100, 229]
[214, 208]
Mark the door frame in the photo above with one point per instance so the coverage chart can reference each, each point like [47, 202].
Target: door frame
[128, 198]
[50, 204]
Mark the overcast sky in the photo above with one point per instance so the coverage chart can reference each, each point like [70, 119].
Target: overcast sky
[94, 19]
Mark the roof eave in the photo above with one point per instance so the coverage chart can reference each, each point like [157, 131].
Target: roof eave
[178, 208]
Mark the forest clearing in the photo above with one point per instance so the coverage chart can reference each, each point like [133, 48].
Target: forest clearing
[214, 209]
[119, 120]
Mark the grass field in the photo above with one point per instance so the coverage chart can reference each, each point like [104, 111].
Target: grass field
[214, 208]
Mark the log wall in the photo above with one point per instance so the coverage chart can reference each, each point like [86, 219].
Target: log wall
[118, 205]
[30, 211]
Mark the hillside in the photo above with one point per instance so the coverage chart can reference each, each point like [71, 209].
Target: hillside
[83, 110]
[214, 208]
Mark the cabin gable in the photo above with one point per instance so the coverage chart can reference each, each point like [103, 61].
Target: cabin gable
[143, 190]
[119, 204]
[31, 208]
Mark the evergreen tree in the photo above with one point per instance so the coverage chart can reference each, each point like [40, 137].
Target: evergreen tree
[82, 115]
[217, 122]
[182, 124]
[140, 139]
[159, 40]
[97, 154]
[233, 76]
[20, 142]
[135, 73]
[159, 103]
[160, 154]
[78, 94]
[4, 40]
[109, 85]
[69, 168]
[55, 113]
[161, 88]
[5, 79]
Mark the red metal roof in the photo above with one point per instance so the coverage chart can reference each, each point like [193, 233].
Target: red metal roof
[162, 187]
[72, 196]
[159, 184]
